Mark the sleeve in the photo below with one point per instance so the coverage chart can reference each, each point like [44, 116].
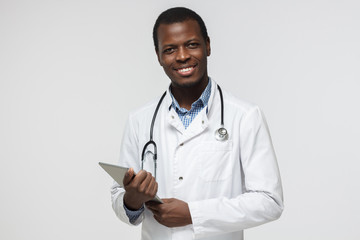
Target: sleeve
[133, 215]
[262, 200]
[129, 156]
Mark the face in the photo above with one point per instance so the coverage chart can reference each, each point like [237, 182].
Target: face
[183, 53]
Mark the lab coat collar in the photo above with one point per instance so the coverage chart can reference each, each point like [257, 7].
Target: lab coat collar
[168, 99]
[199, 124]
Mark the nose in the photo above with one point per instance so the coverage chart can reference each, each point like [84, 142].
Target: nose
[182, 55]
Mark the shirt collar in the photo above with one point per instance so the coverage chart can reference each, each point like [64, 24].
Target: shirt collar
[203, 99]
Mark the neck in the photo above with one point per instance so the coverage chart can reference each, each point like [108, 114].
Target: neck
[186, 96]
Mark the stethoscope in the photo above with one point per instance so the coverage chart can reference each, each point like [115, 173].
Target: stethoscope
[221, 134]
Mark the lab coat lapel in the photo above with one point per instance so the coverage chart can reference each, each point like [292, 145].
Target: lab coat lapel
[198, 125]
[201, 121]
[174, 120]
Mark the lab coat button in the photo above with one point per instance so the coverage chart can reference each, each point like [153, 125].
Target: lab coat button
[181, 144]
[180, 178]
[172, 116]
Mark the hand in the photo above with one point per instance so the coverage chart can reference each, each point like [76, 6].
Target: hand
[172, 213]
[139, 189]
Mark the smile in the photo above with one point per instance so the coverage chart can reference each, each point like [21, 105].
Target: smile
[185, 71]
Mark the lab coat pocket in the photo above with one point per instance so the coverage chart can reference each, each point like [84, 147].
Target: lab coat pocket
[215, 160]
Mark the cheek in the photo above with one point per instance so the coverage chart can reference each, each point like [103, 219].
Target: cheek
[202, 58]
[166, 62]
[167, 67]
[200, 55]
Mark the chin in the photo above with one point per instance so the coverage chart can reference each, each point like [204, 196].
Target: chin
[187, 83]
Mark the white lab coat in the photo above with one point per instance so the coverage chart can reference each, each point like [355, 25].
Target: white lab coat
[229, 186]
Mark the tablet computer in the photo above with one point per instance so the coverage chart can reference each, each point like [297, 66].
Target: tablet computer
[118, 173]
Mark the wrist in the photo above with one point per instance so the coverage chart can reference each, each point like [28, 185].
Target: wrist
[131, 204]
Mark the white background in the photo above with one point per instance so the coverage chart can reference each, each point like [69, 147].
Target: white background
[70, 72]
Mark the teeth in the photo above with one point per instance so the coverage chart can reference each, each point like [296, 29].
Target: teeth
[185, 69]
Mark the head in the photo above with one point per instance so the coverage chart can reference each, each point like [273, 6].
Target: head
[182, 46]
[177, 15]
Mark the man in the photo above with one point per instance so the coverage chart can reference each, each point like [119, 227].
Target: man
[210, 189]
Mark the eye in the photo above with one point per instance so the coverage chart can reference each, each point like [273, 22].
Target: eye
[193, 45]
[168, 50]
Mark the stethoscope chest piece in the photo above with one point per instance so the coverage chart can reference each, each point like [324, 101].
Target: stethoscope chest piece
[221, 134]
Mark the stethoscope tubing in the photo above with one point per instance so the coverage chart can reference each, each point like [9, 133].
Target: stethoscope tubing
[151, 141]
[222, 105]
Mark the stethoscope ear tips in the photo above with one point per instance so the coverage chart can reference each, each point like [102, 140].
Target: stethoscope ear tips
[221, 134]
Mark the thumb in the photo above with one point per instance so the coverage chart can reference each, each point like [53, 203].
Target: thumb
[167, 200]
[128, 176]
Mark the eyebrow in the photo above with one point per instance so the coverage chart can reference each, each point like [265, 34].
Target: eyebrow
[168, 45]
[190, 40]
[173, 45]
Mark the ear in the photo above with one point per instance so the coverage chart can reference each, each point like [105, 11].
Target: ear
[158, 57]
[208, 48]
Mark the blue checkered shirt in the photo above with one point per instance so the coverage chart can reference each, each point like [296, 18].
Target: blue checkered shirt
[186, 117]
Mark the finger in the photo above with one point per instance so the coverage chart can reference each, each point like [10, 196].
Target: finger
[157, 218]
[139, 178]
[128, 176]
[153, 209]
[154, 206]
[152, 188]
[145, 184]
[166, 200]
[150, 204]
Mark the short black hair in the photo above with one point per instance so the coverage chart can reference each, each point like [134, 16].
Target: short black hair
[176, 15]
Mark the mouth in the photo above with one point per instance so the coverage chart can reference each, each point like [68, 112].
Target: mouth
[186, 70]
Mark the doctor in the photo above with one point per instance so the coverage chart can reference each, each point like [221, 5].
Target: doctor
[211, 189]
